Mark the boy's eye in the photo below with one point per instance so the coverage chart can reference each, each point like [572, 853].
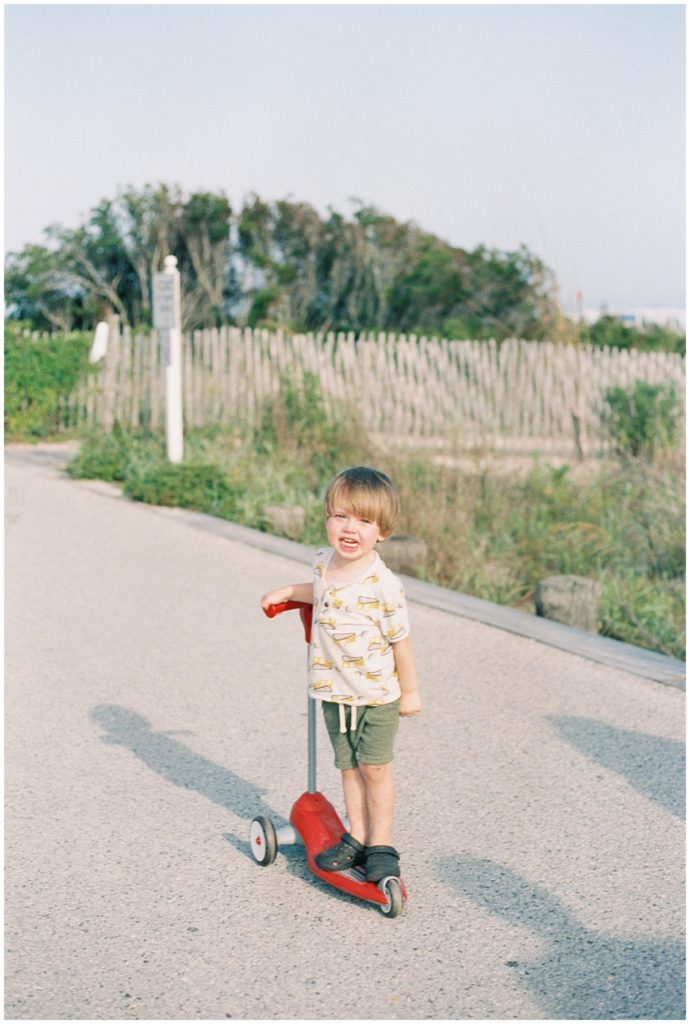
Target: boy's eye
[365, 521]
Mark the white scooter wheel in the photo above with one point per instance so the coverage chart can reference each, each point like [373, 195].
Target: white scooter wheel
[392, 890]
[262, 839]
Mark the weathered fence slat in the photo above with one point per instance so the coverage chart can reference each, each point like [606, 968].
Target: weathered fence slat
[401, 385]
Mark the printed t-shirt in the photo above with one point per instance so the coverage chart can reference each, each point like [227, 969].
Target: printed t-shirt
[354, 627]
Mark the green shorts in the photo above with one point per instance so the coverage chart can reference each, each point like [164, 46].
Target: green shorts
[372, 740]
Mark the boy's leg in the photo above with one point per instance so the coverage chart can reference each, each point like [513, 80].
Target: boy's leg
[354, 791]
[379, 787]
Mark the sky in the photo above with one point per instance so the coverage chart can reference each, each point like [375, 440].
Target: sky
[558, 127]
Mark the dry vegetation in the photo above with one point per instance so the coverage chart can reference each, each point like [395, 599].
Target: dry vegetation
[492, 534]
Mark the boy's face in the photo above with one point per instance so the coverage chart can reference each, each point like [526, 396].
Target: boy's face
[352, 536]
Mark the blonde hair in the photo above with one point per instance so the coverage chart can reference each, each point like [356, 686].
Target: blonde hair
[367, 493]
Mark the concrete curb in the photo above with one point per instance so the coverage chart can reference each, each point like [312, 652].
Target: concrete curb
[615, 653]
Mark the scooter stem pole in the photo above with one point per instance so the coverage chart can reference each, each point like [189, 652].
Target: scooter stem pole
[311, 743]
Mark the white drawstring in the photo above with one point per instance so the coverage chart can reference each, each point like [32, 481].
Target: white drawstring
[353, 718]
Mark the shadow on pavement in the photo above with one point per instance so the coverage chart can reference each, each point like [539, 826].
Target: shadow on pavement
[654, 766]
[176, 763]
[582, 974]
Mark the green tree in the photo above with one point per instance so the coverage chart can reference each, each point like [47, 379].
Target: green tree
[610, 331]
[39, 292]
[276, 264]
[432, 287]
[107, 263]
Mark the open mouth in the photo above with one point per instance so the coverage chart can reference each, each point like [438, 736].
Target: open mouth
[348, 545]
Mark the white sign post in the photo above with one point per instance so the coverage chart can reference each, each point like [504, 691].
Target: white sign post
[167, 320]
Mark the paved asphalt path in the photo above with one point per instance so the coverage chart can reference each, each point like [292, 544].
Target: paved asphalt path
[152, 711]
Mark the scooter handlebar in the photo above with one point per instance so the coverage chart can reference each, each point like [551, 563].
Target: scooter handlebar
[284, 606]
[305, 612]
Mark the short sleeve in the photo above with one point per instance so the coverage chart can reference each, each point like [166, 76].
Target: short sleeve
[318, 569]
[394, 621]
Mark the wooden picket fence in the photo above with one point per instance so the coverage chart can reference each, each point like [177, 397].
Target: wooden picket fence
[547, 394]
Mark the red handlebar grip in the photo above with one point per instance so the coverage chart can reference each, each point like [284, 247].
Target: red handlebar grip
[305, 613]
[284, 606]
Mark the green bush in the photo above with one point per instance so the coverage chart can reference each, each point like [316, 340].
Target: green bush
[116, 456]
[642, 418]
[40, 373]
[100, 457]
[186, 485]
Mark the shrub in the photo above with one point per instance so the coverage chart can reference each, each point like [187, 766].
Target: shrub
[40, 374]
[115, 456]
[642, 418]
[100, 457]
[186, 485]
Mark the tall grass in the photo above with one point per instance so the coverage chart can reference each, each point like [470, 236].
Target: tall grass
[494, 535]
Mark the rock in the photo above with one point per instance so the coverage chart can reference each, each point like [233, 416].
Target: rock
[573, 600]
[286, 519]
[404, 554]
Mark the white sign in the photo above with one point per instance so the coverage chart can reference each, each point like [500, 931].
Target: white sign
[165, 300]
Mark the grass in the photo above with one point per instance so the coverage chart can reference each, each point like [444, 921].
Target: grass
[496, 536]
[488, 534]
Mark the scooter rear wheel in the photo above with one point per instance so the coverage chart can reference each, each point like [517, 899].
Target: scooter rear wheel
[263, 841]
[392, 890]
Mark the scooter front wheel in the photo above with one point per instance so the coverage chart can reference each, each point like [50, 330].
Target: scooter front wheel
[263, 841]
[392, 890]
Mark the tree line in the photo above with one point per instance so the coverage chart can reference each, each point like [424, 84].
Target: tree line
[275, 264]
[282, 264]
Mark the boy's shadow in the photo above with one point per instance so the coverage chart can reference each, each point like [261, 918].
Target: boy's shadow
[582, 975]
[176, 763]
[653, 765]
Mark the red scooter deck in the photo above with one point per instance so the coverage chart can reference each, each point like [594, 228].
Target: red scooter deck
[319, 826]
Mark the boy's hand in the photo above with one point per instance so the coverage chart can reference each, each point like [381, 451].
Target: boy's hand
[410, 704]
[276, 597]
[303, 592]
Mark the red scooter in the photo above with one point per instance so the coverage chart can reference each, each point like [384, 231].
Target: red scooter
[314, 820]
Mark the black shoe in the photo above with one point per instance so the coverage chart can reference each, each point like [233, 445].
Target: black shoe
[348, 853]
[381, 862]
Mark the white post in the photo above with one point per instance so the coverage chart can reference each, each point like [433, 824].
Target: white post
[100, 342]
[168, 321]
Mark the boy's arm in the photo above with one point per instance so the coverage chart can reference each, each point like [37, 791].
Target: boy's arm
[293, 592]
[410, 701]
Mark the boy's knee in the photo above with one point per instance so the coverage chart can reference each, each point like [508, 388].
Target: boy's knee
[374, 771]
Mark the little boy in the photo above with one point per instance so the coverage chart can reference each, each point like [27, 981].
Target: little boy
[361, 659]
